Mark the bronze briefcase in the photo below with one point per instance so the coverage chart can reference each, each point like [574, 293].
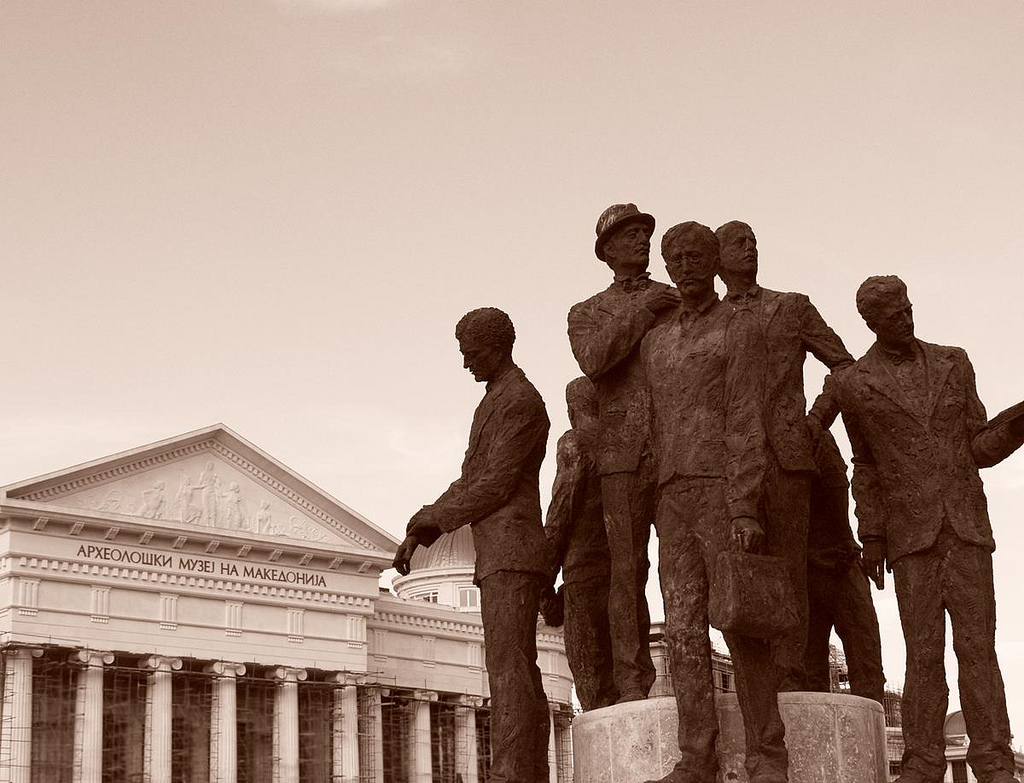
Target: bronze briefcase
[752, 595]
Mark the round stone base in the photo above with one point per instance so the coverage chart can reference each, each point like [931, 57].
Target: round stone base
[831, 737]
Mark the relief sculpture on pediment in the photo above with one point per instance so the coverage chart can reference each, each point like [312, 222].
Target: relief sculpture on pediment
[206, 496]
[153, 502]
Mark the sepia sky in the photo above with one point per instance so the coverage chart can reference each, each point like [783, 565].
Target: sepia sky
[271, 213]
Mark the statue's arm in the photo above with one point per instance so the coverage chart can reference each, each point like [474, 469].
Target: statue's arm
[521, 428]
[820, 339]
[1000, 438]
[825, 409]
[744, 425]
[426, 521]
[869, 503]
[991, 441]
[868, 496]
[599, 347]
[564, 506]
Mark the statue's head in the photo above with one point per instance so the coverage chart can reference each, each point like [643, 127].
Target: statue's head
[581, 400]
[738, 249]
[485, 336]
[624, 239]
[691, 257]
[883, 304]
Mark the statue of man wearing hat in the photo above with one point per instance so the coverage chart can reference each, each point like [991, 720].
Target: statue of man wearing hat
[605, 332]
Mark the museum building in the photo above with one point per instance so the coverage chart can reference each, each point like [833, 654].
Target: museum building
[193, 610]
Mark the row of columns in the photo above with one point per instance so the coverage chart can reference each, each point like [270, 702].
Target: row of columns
[16, 728]
[466, 756]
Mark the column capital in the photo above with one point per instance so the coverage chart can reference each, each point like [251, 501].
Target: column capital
[424, 695]
[287, 674]
[466, 700]
[347, 678]
[225, 669]
[24, 652]
[160, 663]
[91, 657]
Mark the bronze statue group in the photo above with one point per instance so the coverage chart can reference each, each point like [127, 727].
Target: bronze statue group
[691, 416]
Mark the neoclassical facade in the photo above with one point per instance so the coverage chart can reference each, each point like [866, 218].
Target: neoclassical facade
[193, 610]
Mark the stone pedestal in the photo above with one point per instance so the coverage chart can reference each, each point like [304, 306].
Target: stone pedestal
[832, 738]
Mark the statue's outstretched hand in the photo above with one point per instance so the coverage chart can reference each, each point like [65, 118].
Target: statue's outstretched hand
[404, 555]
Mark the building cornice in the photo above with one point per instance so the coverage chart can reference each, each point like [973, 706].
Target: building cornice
[62, 569]
[110, 527]
[422, 616]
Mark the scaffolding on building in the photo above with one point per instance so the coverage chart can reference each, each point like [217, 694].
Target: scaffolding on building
[398, 730]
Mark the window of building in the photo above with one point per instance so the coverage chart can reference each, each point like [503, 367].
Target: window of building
[442, 743]
[895, 768]
[255, 729]
[469, 597]
[430, 596]
[191, 716]
[124, 716]
[397, 735]
[53, 718]
[316, 715]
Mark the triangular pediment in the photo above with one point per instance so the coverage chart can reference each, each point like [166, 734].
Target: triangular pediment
[207, 479]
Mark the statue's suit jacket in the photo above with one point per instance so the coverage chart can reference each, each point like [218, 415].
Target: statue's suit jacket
[792, 328]
[498, 492]
[605, 333]
[915, 465]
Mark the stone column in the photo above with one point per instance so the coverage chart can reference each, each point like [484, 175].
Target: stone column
[89, 714]
[286, 722]
[371, 741]
[159, 717]
[224, 722]
[345, 737]
[563, 745]
[16, 728]
[552, 746]
[465, 737]
[419, 751]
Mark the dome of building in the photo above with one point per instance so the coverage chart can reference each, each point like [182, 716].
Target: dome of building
[955, 728]
[451, 550]
[443, 573]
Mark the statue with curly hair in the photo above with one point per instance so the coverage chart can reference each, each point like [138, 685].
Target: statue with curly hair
[498, 494]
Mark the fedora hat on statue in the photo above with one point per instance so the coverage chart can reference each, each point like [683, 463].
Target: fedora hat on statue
[615, 216]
